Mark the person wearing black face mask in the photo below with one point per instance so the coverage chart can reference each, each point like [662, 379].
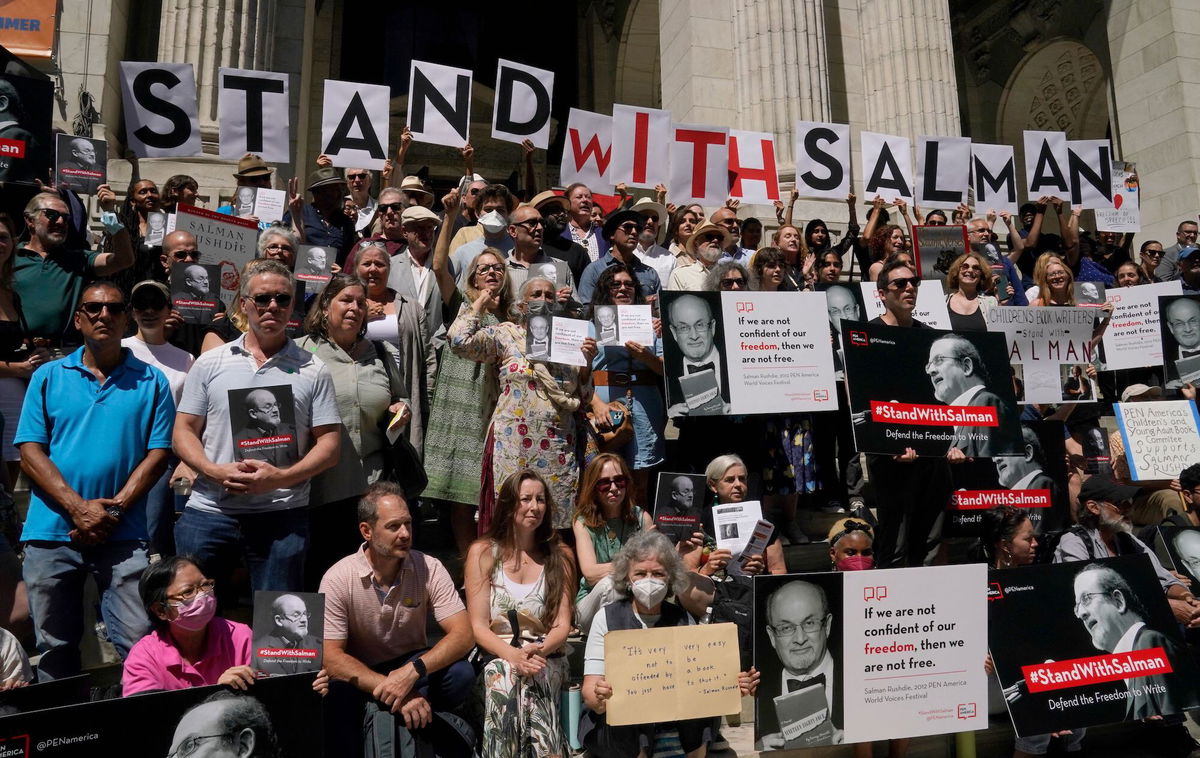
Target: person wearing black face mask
[554, 214]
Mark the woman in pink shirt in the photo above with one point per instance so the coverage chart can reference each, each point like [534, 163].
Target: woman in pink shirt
[190, 645]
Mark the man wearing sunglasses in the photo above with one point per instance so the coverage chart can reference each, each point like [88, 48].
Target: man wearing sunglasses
[179, 249]
[556, 216]
[528, 231]
[107, 418]
[253, 508]
[705, 246]
[388, 210]
[50, 278]
[621, 230]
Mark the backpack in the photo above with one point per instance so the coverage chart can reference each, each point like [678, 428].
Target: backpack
[733, 602]
[1048, 543]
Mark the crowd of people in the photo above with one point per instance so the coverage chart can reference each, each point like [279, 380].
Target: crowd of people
[295, 436]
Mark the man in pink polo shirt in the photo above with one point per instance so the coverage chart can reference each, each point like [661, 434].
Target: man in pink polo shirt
[376, 605]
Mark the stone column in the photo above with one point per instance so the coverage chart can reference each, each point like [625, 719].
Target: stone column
[782, 68]
[908, 67]
[212, 34]
[1154, 62]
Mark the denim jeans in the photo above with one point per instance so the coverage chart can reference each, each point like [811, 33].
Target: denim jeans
[55, 573]
[273, 546]
[160, 512]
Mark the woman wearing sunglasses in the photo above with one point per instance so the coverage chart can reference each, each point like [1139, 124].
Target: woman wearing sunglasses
[190, 645]
[606, 518]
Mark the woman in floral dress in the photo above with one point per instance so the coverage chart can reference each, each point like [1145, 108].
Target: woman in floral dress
[519, 567]
[534, 424]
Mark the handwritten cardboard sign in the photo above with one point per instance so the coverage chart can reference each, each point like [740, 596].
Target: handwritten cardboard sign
[672, 673]
[1161, 438]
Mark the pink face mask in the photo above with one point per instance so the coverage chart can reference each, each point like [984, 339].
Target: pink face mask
[856, 563]
[195, 614]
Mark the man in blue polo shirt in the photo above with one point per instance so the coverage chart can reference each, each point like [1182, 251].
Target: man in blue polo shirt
[94, 434]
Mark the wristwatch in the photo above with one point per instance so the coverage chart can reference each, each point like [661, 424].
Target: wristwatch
[115, 511]
[419, 666]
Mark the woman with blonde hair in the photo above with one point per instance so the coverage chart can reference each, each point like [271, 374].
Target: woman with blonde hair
[1053, 280]
[969, 282]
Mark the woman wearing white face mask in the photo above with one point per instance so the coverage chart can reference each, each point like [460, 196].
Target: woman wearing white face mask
[190, 645]
[645, 574]
[533, 425]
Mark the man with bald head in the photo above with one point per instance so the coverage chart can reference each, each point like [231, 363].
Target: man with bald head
[225, 725]
[1182, 319]
[289, 648]
[798, 626]
[694, 329]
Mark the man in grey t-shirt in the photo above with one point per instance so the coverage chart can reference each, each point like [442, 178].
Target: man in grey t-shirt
[246, 506]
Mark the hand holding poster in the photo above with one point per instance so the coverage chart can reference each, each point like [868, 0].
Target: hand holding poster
[929, 390]
[671, 673]
[886, 654]
[1178, 548]
[1125, 215]
[1161, 438]
[313, 266]
[1084, 643]
[734, 524]
[747, 352]
[288, 631]
[555, 339]
[618, 324]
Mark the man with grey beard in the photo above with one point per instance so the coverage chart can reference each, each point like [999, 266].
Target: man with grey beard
[706, 245]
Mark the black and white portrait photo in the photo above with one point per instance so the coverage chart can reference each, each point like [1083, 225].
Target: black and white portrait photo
[156, 228]
[1089, 294]
[843, 303]
[312, 266]
[288, 629]
[25, 122]
[1077, 386]
[797, 649]
[1180, 547]
[263, 420]
[243, 201]
[1180, 333]
[195, 291]
[930, 390]
[1045, 617]
[679, 505]
[693, 354]
[605, 317]
[537, 338]
[81, 163]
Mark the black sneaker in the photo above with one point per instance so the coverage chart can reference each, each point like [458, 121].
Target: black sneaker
[794, 535]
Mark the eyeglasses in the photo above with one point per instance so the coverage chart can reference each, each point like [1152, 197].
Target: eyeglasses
[607, 483]
[393, 207]
[192, 592]
[937, 360]
[283, 299]
[1191, 323]
[94, 308]
[296, 616]
[733, 283]
[356, 177]
[630, 228]
[531, 224]
[904, 282]
[53, 216]
[1086, 599]
[278, 246]
[808, 626]
[711, 237]
[1152, 252]
[183, 255]
[484, 268]
[190, 745]
[620, 284]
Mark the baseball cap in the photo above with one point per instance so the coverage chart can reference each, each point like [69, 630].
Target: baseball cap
[146, 288]
[1135, 391]
[1101, 488]
[1191, 251]
[252, 165]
